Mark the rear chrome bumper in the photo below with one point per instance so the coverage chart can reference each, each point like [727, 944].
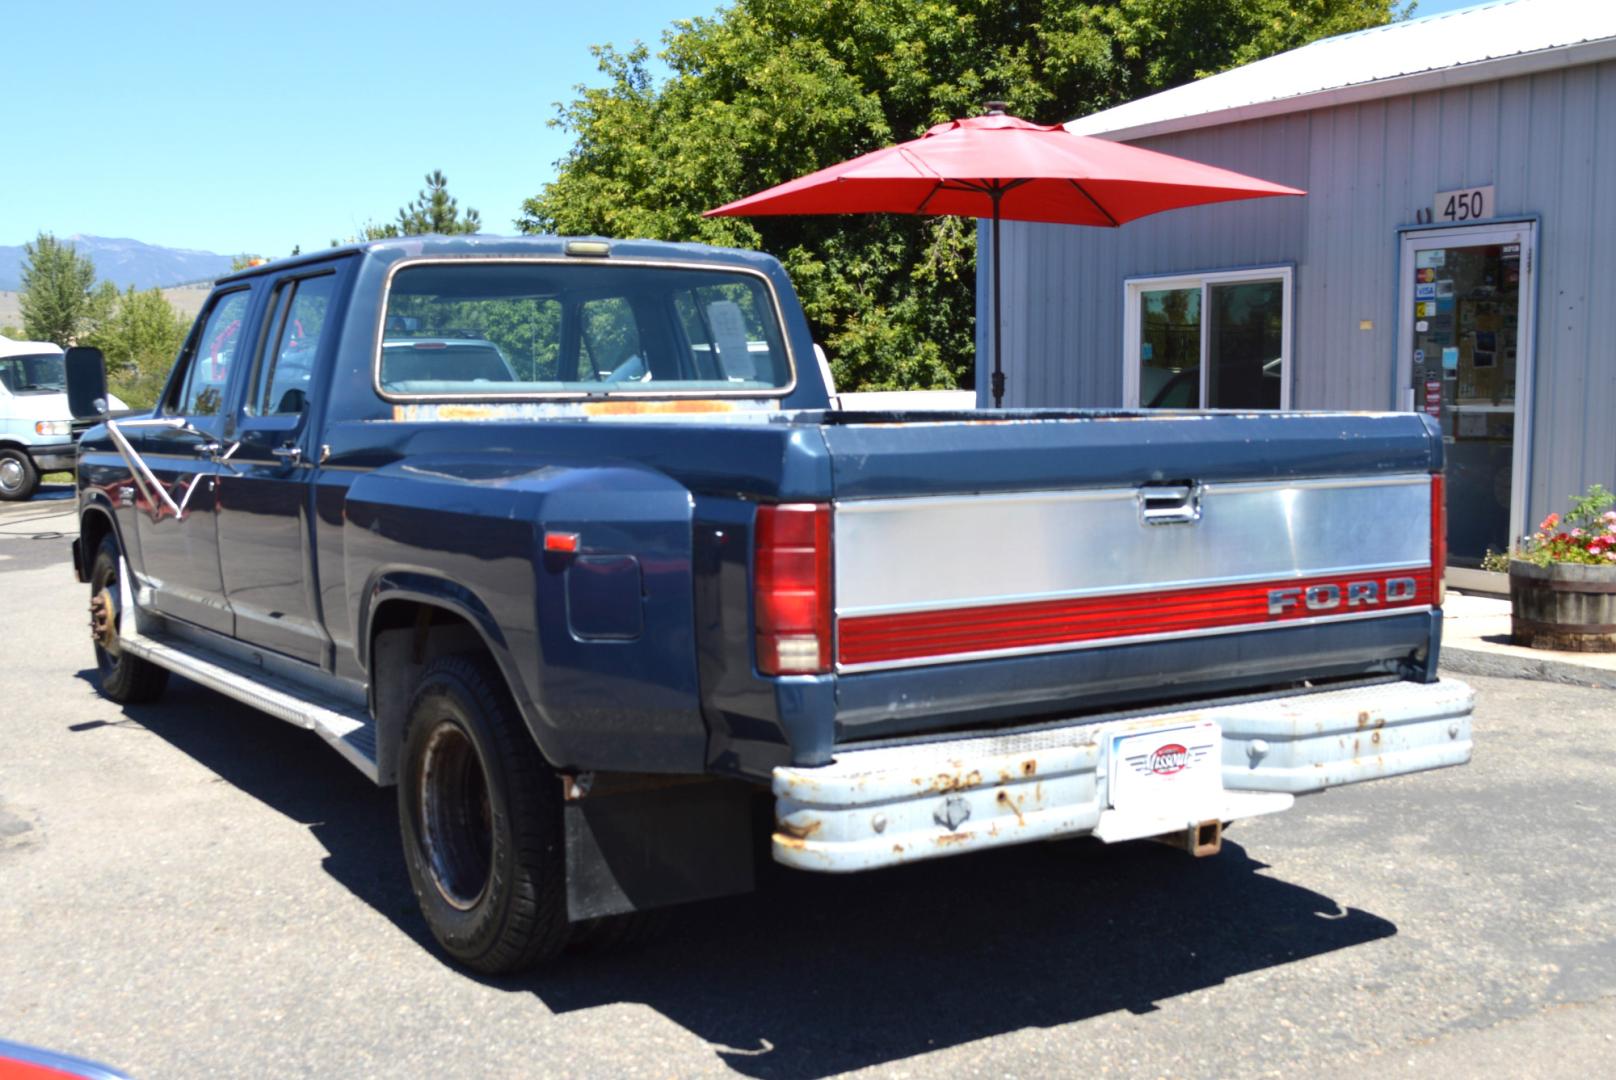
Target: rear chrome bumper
[881, 807]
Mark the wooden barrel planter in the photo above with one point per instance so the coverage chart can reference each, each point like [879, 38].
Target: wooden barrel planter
[1569, 606]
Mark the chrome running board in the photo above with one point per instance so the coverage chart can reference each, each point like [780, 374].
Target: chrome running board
[351, 731]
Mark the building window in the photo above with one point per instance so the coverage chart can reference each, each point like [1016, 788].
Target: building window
[1216, 340]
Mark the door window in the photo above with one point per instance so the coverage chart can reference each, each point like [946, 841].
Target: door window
[1216, 340]
[296, 323]
[212, 353]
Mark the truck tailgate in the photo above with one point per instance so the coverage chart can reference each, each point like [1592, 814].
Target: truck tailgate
[965, 545]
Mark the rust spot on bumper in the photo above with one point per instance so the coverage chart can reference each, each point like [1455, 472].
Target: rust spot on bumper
[1004, 800]
[791, 830]
[960, 781]
[950, 839]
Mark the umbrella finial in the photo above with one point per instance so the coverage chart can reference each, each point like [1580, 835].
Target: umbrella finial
[995, 108]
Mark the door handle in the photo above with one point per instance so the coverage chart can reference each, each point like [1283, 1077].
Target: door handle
[1178, 504]
[289, 455]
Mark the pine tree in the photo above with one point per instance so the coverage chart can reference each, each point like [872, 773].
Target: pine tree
[435, 211]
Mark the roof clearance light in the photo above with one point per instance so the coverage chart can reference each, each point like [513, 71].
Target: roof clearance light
[595, 249]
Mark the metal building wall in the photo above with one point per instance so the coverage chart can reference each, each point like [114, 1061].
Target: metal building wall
[1540, 140]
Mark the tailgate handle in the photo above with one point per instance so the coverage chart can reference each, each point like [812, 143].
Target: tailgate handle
[1170, 504]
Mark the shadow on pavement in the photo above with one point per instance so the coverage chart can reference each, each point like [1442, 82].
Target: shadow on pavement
[297, 774]
[817, 975]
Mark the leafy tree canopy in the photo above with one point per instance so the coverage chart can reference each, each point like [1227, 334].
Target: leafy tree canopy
[59, 300]
[140, 338]
[766, 90]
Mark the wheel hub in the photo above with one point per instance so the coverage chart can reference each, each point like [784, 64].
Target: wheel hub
[104, 620]
[456, 823]
[10, 474]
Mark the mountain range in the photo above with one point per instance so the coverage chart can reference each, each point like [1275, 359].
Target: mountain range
[127, 262]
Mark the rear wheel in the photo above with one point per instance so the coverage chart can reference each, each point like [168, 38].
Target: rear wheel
[19, 478]
[125, 679]
[480, 813]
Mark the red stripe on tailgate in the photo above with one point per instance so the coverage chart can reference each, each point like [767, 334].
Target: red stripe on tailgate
[874, 639]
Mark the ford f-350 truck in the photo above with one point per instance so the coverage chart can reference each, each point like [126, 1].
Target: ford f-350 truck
[563, 538]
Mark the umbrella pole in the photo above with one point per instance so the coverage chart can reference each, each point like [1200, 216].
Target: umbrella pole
[998, 323]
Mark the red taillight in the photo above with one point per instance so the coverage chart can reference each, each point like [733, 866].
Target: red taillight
[1439, 539]
[791, 589]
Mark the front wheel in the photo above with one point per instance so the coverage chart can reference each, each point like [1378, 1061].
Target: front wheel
[19, 478]
[480, 813]
[125, 679]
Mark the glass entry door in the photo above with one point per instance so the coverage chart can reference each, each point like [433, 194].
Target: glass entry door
[1465, 347]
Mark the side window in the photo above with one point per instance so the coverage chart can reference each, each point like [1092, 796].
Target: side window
[282, 378]
[211, 357]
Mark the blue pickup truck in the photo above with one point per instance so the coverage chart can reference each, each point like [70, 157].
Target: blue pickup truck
[566, 540]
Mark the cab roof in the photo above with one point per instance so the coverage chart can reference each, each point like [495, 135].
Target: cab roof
[583, 248]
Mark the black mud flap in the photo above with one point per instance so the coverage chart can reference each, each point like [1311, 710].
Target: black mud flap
[78, 562]
[641, 842]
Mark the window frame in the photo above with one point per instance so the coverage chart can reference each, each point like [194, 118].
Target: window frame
[585, 266]
[1133, 289]
[270, 329]
[178, 388]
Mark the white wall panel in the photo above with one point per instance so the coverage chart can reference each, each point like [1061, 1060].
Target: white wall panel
[1544, 142]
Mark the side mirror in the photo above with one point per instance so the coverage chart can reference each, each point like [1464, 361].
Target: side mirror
[86, 382]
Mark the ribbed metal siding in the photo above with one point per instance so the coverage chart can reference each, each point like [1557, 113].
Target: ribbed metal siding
[1540, 140]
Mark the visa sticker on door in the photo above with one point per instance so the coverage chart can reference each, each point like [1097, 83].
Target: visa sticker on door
[1166, 770]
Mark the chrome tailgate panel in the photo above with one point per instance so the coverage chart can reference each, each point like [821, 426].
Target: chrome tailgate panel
[926, 581]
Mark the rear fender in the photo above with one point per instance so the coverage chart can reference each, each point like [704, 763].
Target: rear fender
[596, 640]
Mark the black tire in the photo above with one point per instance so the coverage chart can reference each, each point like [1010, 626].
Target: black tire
[19, 477]
[126, 679]
[480, 813]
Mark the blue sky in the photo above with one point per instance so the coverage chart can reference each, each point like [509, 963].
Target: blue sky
[254, 127]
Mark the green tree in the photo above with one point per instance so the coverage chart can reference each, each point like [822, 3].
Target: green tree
[434, 210]
[60, 301]
[140, 339]
[766, 90]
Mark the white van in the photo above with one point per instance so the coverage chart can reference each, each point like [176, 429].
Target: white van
[36, 428]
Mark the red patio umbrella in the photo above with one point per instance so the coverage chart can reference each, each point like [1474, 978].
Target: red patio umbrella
[1002, 167]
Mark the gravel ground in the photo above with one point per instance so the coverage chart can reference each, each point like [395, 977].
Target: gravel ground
[194, 889]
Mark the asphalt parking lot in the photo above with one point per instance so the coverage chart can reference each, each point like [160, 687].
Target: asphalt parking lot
[192, 889]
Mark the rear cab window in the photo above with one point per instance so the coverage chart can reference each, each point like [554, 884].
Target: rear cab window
[515, 329]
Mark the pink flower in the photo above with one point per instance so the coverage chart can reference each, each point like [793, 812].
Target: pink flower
[1610, 516]
[1576, 532]
[1550, 522]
